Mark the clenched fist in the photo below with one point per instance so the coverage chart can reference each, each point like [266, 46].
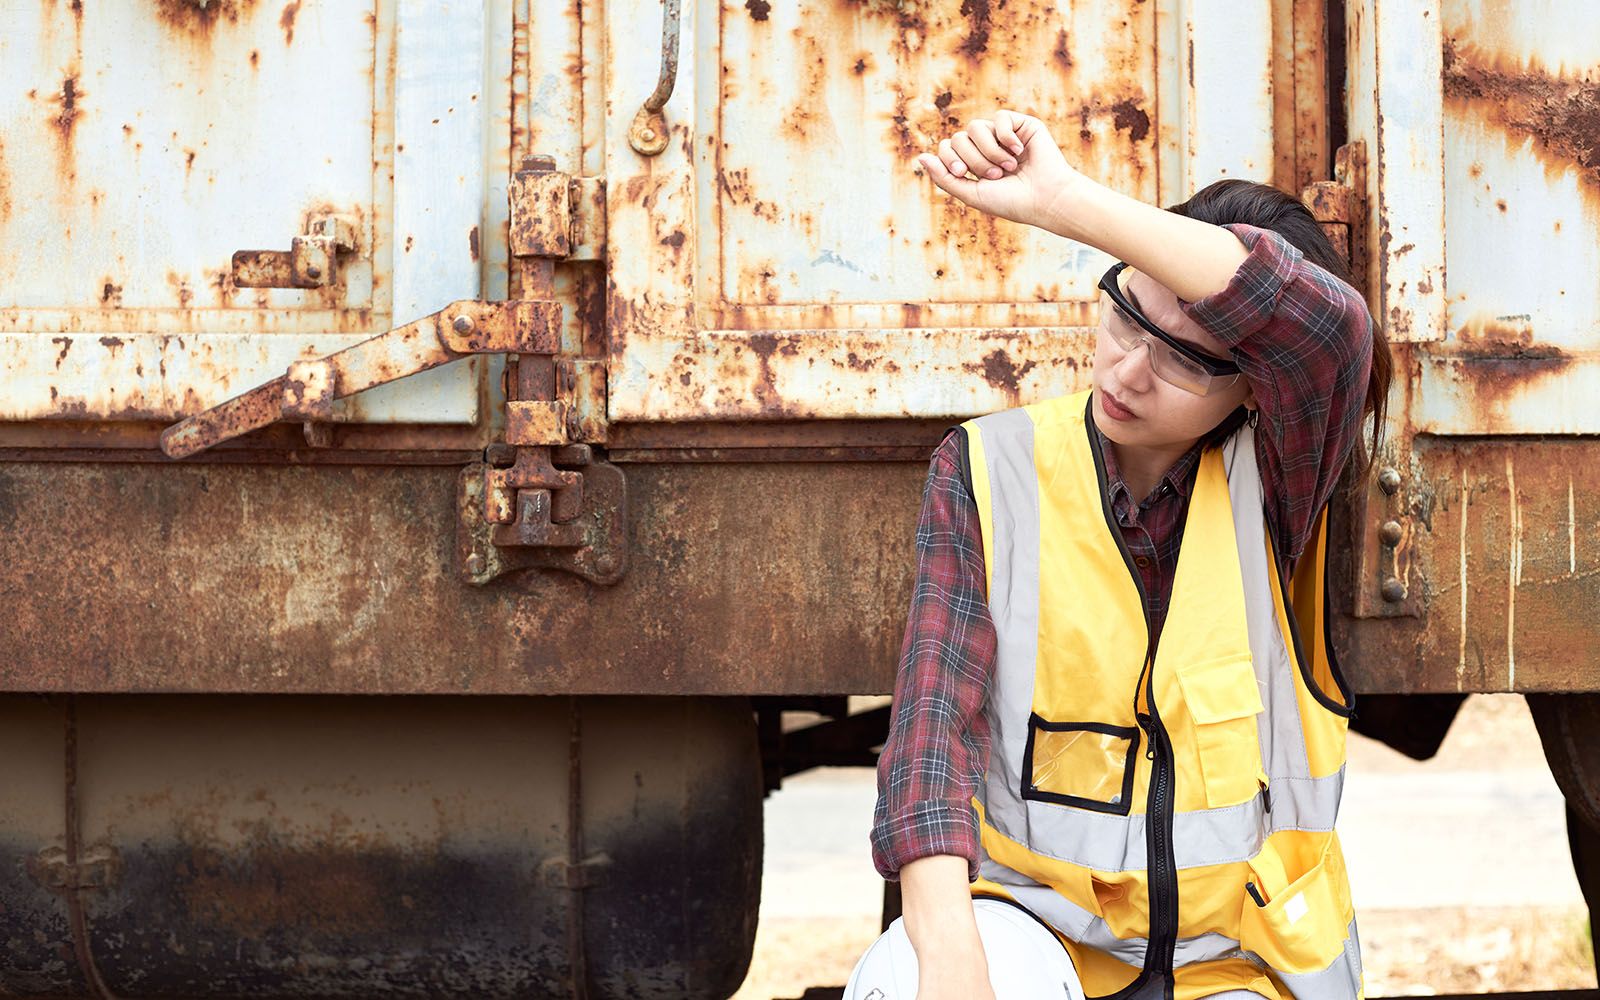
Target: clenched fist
[1006, 166]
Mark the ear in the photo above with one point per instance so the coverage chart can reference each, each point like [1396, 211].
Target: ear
[1249, 401]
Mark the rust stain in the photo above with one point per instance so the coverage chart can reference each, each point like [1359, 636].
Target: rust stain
[5, 187]
[66, 345]
[759, 9]
[286, 21]
[1003, 373]
[1128, 115]
[977, 40]
[472, 242]
[1561, 115]
[111, 295]
[1506, 337]
[67, 113]
[1061, 54]
[317, 890]
[199, 17]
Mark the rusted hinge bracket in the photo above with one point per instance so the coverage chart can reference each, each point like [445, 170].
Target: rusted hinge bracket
[559, 873]
[1387, 585]
[1341, 206]
[95, 868]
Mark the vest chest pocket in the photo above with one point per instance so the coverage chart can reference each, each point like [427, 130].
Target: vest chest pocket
[1088, 765]
[1223, 701]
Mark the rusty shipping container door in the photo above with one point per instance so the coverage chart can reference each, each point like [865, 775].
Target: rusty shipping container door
[194, 195]
[778, 260]
[1469, 558]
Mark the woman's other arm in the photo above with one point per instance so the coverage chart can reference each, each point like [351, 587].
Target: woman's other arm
[924, 828]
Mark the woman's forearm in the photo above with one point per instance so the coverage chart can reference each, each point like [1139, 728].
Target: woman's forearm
[937, 907]
[1193, 258]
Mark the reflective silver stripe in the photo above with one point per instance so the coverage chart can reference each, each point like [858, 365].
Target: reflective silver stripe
[1085, 928]
[1341, 980]
[1282, 737]
[1200, 837]
[1007, 439]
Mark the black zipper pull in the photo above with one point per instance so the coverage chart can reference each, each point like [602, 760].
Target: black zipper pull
[1255, 893]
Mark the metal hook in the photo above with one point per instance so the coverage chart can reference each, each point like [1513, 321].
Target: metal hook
[648, 134]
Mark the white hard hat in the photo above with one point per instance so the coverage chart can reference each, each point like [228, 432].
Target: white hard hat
[1026, 961]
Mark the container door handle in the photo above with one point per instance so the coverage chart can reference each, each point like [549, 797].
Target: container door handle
[648, 134]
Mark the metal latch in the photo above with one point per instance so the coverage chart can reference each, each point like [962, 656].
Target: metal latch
[310, 261]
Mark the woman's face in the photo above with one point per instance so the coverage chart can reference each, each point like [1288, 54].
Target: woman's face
[1133, 405]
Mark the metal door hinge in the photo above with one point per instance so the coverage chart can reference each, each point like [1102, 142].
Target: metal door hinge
[556, 215]
[1341, 206]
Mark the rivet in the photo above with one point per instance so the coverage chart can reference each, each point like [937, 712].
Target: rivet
[1393, 590]
[1389, 481]
[648, 135]
[464, 325]
[475, 564]
[1390, 532]
[313, 271]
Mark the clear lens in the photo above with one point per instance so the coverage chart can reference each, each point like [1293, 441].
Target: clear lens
[1173, 367]
[1168, 364]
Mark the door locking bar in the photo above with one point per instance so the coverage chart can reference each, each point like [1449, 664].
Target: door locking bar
[307, 391]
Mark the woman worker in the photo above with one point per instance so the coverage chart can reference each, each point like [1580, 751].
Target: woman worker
[1113, 768]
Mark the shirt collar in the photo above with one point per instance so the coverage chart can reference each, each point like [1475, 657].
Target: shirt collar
[1178, 479]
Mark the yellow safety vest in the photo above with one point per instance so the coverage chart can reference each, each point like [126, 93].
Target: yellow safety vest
[1168, 811]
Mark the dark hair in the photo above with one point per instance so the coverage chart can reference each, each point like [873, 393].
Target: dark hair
[1266, 207]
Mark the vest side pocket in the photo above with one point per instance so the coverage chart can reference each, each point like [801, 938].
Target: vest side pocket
[1296, 908]
[1223, 702]
[1087, 765]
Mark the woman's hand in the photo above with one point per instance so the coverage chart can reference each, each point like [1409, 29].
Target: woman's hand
[1019, 171]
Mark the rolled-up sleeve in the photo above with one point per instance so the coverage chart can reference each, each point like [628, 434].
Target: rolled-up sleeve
[1303, 339]
[939, 738]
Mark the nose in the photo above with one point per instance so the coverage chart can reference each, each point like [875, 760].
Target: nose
[1133, 368]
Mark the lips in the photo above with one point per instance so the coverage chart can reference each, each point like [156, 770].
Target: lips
[1114, 409]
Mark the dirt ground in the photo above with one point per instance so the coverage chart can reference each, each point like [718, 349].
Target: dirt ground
[1477, 929]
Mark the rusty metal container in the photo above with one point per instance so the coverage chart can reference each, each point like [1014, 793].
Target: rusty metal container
[510, 356]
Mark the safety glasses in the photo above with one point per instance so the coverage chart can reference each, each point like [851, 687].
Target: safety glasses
[1172, 360]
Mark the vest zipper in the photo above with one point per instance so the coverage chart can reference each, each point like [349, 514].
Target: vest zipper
[1162, 864]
